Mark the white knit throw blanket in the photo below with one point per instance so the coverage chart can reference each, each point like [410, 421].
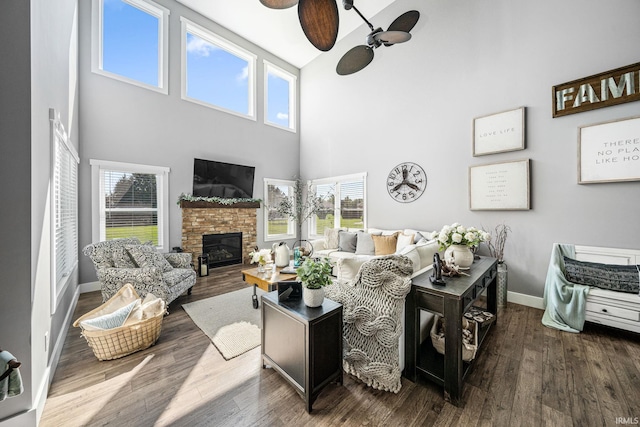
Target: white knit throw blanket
[372, 309]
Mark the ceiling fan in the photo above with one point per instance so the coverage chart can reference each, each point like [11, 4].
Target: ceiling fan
[360, 56]
[318, 18]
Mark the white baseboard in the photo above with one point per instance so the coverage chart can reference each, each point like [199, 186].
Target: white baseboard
[89, 287]
[524, 299]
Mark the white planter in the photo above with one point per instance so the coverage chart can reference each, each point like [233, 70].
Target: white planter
[313, 297]
[461, 254]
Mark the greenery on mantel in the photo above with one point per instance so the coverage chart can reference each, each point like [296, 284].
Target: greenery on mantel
[218, 200]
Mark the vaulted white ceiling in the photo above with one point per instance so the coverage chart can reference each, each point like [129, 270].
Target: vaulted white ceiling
[278, 31]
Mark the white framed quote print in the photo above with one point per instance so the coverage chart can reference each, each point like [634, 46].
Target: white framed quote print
[499, 132]
[500, 186]
[609, 152]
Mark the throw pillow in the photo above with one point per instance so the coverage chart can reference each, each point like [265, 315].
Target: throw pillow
[111, 320]
[385, 245]
[331, 235]
[147, 256]
[621, 278]
[364, 244]
[404, 240]
[121, 258]
[347, 241]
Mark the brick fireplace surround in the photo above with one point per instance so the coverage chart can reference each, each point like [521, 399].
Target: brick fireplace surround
[200, 218]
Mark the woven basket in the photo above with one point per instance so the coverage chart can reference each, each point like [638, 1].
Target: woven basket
[468, 350]
[118, 342]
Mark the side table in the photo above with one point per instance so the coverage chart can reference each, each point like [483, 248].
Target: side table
[303, 344]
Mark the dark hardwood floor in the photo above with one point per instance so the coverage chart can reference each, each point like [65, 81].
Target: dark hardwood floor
[526, 375]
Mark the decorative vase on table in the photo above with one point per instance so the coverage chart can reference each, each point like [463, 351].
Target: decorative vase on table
[461, 255]
[313, 297]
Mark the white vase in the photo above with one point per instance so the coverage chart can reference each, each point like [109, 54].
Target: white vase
[461, 254]
[313, 297]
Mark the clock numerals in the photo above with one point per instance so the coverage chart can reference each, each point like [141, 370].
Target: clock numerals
[406, 182]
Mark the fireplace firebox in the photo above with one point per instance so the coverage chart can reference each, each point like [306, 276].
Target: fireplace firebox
[223, 249]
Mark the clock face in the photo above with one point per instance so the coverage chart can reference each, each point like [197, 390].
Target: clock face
[406, 182]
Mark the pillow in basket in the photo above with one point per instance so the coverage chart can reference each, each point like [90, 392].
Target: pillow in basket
[147, 256]
[110, 320]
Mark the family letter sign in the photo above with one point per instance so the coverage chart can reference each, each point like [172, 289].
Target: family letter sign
[601, 90]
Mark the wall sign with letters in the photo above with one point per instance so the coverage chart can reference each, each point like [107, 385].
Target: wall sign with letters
[600, 90]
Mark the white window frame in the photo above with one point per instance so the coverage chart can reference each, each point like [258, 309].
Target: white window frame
[188, 26]
[337, 180]
[292, 226]
[98, 200]
[62, 148]
[270, 68]
[147, 6]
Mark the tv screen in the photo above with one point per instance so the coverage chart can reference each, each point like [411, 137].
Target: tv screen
[224, 180]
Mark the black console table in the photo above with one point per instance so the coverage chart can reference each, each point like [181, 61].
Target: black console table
[449, 301]
[303, 344]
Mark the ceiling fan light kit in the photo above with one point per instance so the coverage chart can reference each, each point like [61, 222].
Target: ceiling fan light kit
[360, 56]
[279, 4]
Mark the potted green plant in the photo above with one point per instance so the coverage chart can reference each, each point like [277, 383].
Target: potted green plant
[314, 275]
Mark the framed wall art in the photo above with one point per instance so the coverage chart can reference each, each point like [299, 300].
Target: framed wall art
[609, 152]
[500, 186]
[499, 132]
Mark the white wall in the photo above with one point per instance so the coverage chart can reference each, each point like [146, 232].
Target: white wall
[125, 123]
[416, 102]
[38, 72]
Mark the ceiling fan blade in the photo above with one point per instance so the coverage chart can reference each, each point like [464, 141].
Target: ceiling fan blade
[405, 22]
[392, 37]
[319, 21]
[279, 4]
[354, 60]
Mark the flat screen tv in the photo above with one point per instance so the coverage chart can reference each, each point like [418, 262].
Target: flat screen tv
[224, 180]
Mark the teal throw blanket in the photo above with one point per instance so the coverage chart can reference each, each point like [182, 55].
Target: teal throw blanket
[564, 301]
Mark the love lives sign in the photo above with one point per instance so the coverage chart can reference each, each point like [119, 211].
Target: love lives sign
[598, 91]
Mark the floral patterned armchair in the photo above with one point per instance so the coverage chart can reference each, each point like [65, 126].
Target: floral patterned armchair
[122, 261]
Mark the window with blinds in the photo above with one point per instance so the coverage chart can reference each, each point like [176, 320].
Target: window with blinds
[343, 203]
[277, 225]
[64, 214]
[131, 202]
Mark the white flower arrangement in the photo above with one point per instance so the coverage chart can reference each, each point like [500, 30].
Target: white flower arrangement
[261, 256]
[456, 234]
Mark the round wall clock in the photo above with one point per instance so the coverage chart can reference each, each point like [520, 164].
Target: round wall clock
[406, 182]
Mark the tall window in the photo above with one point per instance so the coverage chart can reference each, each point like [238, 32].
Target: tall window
[344, 203]
[130, 40]
[130, 201]
[280, 97]
[216, 73]
[64, 216]
[277, 226]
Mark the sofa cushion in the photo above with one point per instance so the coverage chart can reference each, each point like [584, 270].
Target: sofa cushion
[385, 245]
[347, 241]
[364, 244]
[122, 258]
[426, 251]
[404, 240]
[176, 276]
[621, 278]
[331, 236]
[347, 267]
[411, 252]
[101, 253]
[147, 256]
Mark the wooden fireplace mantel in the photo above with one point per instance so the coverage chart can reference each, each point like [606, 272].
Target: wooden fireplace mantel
[185, 204]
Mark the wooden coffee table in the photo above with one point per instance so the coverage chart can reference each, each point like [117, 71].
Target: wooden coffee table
[265, 282]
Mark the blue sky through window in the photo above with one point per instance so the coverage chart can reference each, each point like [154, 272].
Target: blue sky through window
[216, 76]
[130, 42]
[278, 100]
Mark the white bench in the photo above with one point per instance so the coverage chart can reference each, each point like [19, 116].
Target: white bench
[617, 309]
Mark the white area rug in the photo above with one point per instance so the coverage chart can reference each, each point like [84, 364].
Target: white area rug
[229, 320]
